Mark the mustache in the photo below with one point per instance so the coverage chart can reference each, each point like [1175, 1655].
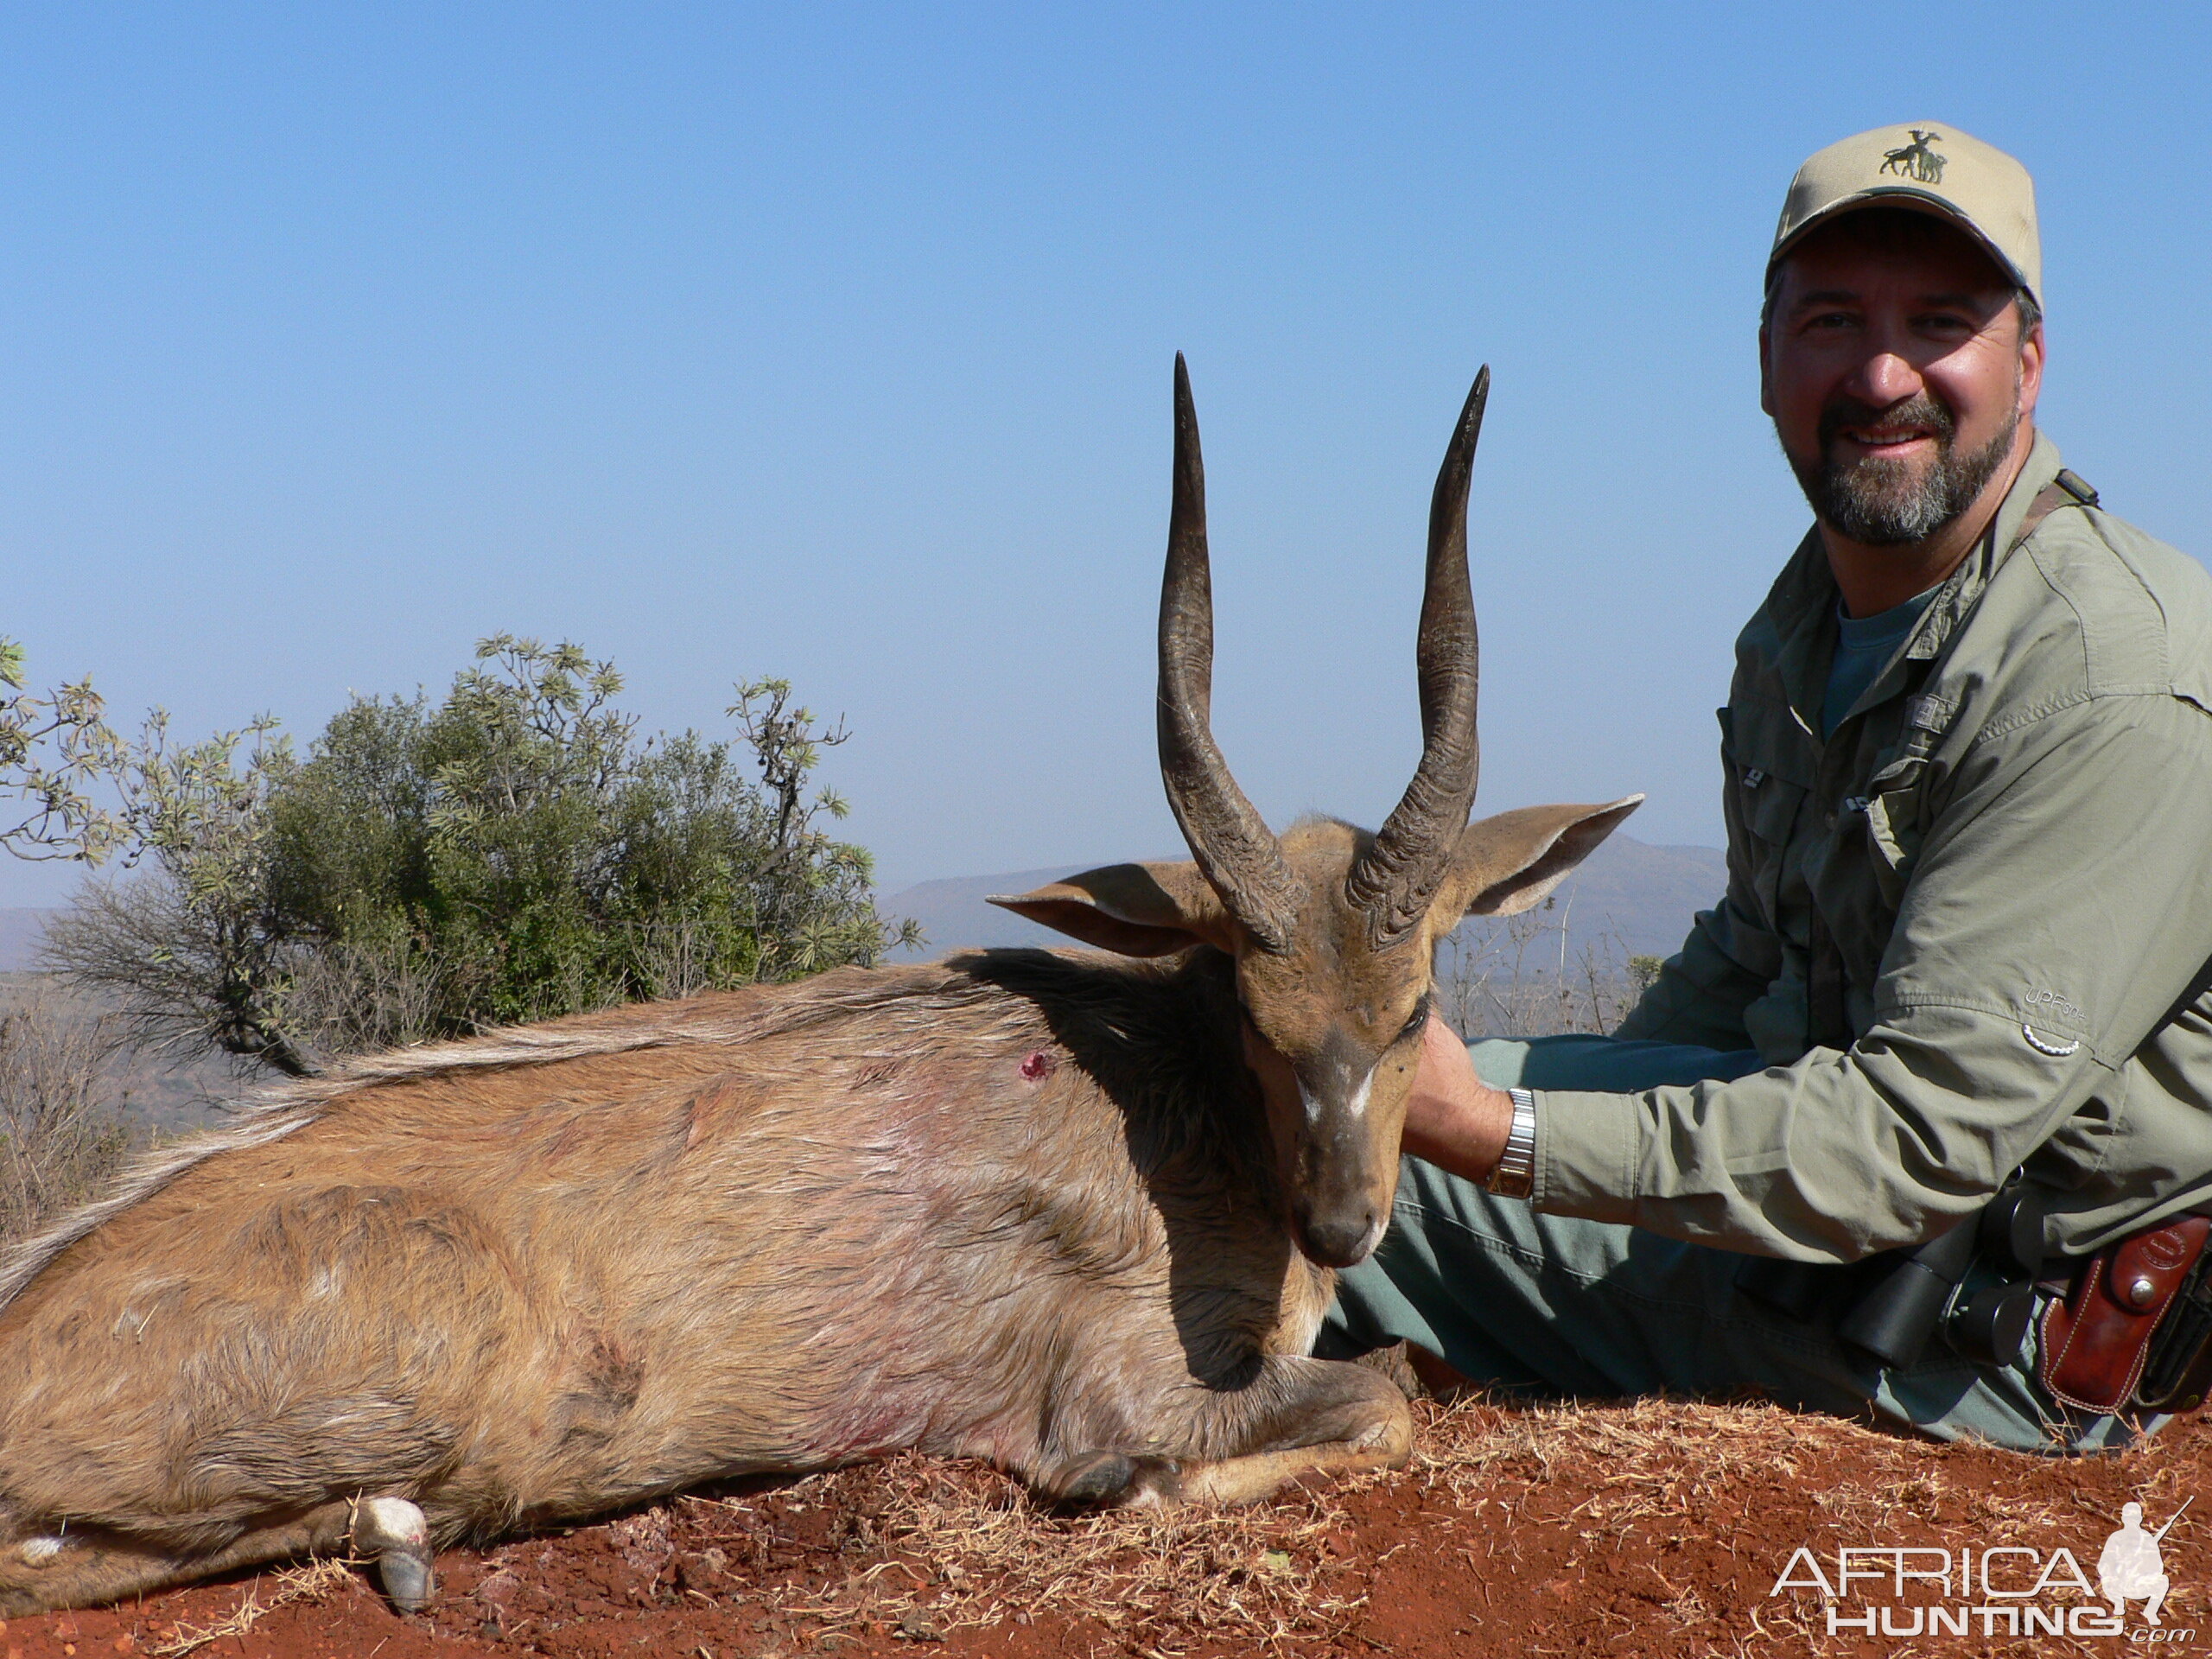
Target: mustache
[1921, 411]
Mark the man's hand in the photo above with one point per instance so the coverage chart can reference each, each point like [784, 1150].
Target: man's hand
[1453, 1119]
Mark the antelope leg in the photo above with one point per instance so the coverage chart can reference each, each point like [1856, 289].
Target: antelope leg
[1260, 1474]
[1295, 1417]
[85, 1567]
[1330, 1418]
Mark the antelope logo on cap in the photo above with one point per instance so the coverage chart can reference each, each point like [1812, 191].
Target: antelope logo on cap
[1916, 160]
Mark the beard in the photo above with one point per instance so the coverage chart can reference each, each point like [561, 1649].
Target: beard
[1879, 502]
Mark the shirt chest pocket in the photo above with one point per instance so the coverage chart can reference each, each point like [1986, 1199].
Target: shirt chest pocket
[1765, 797]
[1897, 816]
[1895, 826]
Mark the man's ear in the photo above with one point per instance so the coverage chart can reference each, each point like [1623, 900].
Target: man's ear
[1511, 862]
[1140, 910]
[2033, 350]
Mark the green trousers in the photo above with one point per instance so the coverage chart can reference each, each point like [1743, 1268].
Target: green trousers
[1521, 1301]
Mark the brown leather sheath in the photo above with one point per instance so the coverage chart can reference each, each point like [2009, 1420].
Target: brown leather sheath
[2095, 1341]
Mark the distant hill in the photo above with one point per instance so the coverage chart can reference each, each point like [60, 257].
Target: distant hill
[1640, 895]
[153, 1091]
[20, 931]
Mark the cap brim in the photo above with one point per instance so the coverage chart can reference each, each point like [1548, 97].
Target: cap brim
[1918, 201]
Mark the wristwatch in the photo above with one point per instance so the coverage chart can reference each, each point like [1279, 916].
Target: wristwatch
[1515, 1174]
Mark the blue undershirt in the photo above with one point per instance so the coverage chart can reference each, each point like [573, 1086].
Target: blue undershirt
[1863, 645]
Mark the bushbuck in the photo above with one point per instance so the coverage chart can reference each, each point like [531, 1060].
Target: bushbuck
[1074, 1213]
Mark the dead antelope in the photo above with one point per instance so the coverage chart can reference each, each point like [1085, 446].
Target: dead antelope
[1069, 1212]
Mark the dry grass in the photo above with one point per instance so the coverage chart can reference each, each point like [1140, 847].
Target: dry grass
[312, 1581]
[1672, 1519]
[968, 1548]
[962, 1547]
[1665, 1471]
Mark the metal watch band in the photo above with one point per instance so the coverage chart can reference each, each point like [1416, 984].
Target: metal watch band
[1515, 1174]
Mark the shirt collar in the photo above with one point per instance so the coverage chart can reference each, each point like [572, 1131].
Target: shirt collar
[1804, 597]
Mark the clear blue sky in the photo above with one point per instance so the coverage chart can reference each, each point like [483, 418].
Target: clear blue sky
[834, 342]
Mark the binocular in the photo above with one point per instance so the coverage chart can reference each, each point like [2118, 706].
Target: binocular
[1903, 1298]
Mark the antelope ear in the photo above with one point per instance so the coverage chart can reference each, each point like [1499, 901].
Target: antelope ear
[1139, 910]
[1506, 864]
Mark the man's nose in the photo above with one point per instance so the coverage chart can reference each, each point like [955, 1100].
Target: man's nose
[1884, 378]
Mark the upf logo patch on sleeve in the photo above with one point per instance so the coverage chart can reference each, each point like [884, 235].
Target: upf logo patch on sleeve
[2050, 1005]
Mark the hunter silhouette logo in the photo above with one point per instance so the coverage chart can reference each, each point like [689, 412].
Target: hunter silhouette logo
[1916, 160]
[2130, 1569]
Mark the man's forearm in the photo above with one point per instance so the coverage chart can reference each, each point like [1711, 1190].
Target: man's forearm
[1453, 1119]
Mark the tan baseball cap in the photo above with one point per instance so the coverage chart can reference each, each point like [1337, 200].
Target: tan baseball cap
[1932, 168]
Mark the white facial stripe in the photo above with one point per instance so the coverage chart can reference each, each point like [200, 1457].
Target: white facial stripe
[1357, 1105]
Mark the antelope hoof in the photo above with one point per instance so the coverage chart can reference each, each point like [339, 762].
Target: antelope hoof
[1112, 1477]
[1101, 1480]
[395, 1533]
[408, 1578]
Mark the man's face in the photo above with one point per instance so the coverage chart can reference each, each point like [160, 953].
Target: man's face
[1897, 380]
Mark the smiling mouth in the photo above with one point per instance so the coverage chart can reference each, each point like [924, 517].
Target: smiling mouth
[1886, 437]
[1892, 431]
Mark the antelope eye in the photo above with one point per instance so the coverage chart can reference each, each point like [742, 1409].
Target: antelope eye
[1419, 1017]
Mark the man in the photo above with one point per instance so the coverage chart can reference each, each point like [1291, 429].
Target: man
[1968, 775]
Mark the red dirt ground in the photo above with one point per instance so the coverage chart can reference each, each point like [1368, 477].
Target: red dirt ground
[1647, 1529]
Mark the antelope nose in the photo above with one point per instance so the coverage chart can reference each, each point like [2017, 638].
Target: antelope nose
[1340, 1241]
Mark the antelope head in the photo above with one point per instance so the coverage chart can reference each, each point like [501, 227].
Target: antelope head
[1333, 931]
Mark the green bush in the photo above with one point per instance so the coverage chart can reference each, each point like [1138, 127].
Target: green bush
[511, 853]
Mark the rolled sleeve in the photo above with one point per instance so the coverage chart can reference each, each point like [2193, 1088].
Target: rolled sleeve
[2061, 905]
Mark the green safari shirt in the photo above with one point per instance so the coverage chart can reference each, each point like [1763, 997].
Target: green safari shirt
[1970, 932]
